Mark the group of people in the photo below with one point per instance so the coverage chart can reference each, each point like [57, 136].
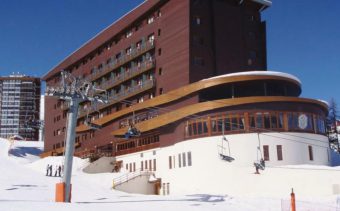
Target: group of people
[57, 170]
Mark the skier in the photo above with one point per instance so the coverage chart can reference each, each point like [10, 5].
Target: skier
[47, 169]
[59, 171]
[56, 171]
[50, 170]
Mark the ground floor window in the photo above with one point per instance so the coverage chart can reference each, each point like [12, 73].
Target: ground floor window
[310, 152]
[266, 152]
[279, 152]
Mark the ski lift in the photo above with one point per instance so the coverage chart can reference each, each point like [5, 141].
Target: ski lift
[259, 164]
[132, 130]
[223, 155]
[88, 122]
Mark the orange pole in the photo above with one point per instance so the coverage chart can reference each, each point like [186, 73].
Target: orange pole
[292, 201]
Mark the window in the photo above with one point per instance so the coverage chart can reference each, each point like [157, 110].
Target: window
[160, 71]
[197, 20]
[151, 38]
[159, 14]
[151, 19]
[160, 91]
[266, 152]
[279, 152]
[150, 165]
[128, 33]
[159, 51]
[141, 165]
[184, 159]
[154, 164]
[189, 159]
[310, 151]
[159, 32]
[179, 161]
[198, 61]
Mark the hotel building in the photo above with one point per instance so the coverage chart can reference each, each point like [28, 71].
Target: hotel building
[19, 106]
[192, 75]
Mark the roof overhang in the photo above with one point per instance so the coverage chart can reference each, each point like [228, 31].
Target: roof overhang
[264, 3]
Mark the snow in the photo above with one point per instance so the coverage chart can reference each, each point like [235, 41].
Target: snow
[24, 186]
[258, 73]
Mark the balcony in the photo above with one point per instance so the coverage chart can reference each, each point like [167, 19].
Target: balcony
[145, 66]
[122, 95]
[122, 60]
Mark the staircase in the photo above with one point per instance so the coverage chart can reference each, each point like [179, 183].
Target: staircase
[142, 182]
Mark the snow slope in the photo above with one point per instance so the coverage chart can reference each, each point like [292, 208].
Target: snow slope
[24, 187]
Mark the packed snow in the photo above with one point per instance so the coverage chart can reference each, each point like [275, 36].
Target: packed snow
[25, 186]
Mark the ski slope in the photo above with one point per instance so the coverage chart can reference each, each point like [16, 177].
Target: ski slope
[24, 187]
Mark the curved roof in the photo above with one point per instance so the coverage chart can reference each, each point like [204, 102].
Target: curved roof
[259, 73]
[192, 88]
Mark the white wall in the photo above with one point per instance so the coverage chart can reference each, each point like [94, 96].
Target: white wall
[210, 174]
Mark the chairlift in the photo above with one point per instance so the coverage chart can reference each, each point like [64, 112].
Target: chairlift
[223, 155]
[88, 122]
[259, 164]
[132, 130]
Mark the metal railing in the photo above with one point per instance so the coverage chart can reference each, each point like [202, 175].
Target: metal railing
[131, 175]
[122, 95]
[115, 63]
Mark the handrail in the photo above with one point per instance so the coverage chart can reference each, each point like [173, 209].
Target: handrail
[131, 175]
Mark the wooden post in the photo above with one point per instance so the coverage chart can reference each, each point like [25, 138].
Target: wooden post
[292, 201]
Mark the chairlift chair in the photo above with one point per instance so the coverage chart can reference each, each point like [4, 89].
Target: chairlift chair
[90, 124]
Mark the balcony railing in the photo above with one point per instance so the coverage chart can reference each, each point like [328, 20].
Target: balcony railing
[122, 60]
[145, 66]
[122, 95]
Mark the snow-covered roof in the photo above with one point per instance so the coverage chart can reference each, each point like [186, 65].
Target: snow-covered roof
[259, 73]
[323, 101]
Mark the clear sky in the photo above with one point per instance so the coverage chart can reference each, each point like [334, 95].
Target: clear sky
[303, 37]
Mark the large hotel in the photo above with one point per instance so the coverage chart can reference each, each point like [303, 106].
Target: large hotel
[192, 75]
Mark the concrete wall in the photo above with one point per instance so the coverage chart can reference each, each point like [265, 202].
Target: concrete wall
[102, 165]
[139, 184]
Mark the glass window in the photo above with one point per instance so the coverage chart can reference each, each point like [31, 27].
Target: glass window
[273, 120]
[266, 121]
[199, 128]
[219, 124]
[241, 122]
[234, 123]
[280, 120]
[227, 124]
[279, 152]
[213, 125]
[184, 159]
[179, 161]
[194, 128]
[310, 151]
[251, 122]
[259, 123]
[266, 152]
[189, 159]
[205, 127]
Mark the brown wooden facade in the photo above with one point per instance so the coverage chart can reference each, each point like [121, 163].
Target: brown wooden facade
[152, 61]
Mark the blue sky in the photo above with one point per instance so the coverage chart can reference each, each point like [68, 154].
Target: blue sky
[303, 37]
